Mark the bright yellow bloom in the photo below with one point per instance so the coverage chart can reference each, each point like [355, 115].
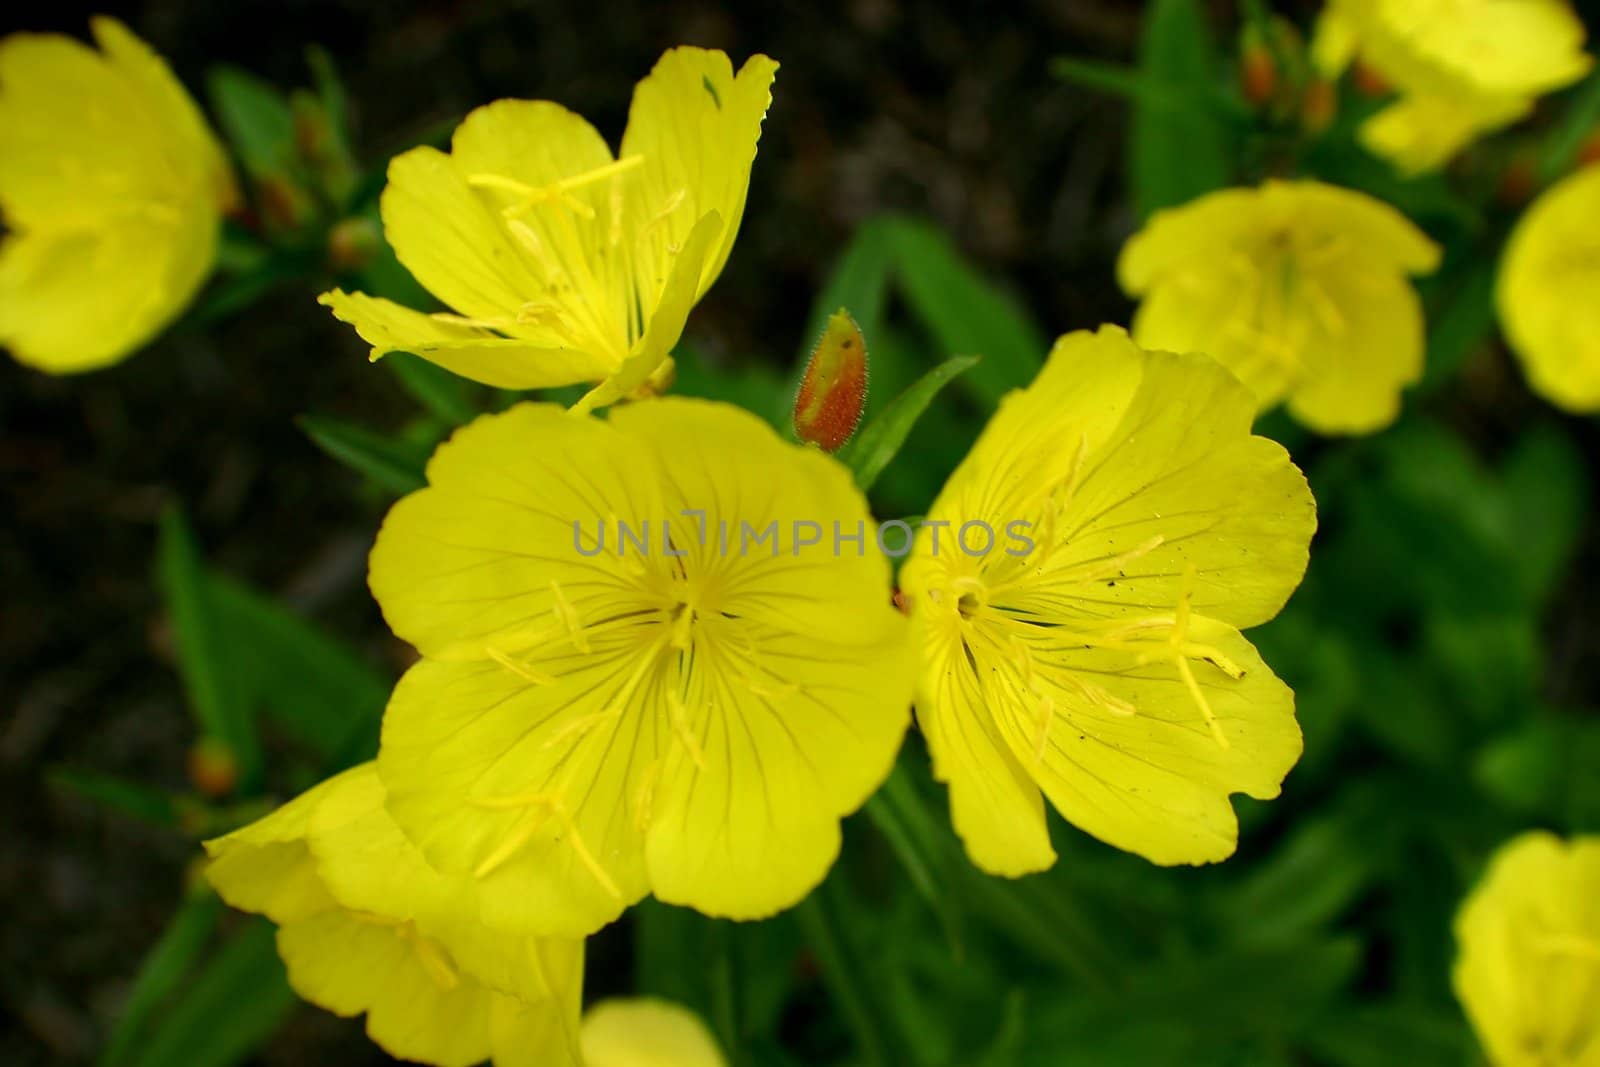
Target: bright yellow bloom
[1528, 966]
[1094, 653]
[563, 264]
[647, 1033]
[113, 188]
[1547, 289]
[1299, 288]
[689, 712]
[1462, 68]
[365, 925]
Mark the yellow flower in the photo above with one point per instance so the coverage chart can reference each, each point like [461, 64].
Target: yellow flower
[644, 1032]
[561, 263]
[1546, 292]
[1094, 651]
[113, 188]
[1462, 68]
[1299, 288]
[366, 926]
[687, 708]
[1528, 962]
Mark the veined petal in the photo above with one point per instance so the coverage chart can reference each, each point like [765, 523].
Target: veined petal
[645, 1032]
[995, 806]
[1544, 293]
[501, 546]
[418, 1006]
[470, 351]
[696, 125]
[779, 736]
[532, 788]
[1154, 781]
[452, 241]
[76, 300]
[664, 321]
[265, 867]
[1357, 364]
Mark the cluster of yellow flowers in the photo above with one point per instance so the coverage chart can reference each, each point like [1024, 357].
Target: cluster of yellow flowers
[587, 726]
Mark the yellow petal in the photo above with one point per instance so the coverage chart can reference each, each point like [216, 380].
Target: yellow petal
[1529, 944]
[418, 1006]
[786, 734]
[696, 125]
[1333, 42]
[645, 1032]
[541, 1034]
[266, 867]
[500, 545]
[1354, 373]
[470, 351]
[1367, 228]
[1175, 238]
[1525, 48]
[1544, 294]
[665, 320]
[531, 788]
[1421, 132]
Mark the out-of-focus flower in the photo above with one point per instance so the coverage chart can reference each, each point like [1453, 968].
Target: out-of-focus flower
[644, 1032]
[1546, 292]
[366, 926]
[649, 662]
[562, 264]
[1299, 288]
[1528, 964]
[113, 188]
[1097, 657]
[1462, 68]
[833, 389]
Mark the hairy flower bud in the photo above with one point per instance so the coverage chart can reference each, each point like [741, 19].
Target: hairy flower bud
[833, 391]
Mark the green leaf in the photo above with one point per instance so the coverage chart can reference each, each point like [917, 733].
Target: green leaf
[1581, 119]
[255, 118]
[878, 444]
[211, 676]
[966, 313]
[1546, 492]
[899, 813]
[1176, 154]
[1464, 316]
[443, 394]
[1395, 1034]
[320, 691]
[392, 465]
[1308, 881]
[846, 971]
[227, 1010]
[141, 801]
[858, 282]
[164, 967]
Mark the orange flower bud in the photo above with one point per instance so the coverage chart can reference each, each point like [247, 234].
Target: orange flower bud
[353, 243]
[833, 391]
[1589, 150]
[213, 769]
[1318, 106]
[1258, 74]
[1368, 81]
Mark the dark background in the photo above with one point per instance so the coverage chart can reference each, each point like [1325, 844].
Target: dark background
[944, 110]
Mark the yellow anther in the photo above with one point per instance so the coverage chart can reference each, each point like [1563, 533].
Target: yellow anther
[1117, 564]
[434, 962]
[581, 725]
[476, 324]
[528, 823]
[559, 192]
[1186, 672]
[575, 839]
[520, 669]
[644, 798]
[680, 726]
[568, 617]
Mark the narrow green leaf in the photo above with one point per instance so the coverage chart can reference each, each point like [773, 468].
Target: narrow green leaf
[141, 801]
[845, 972]
[1464, 319]
[393, 465]
[1177, 154]
[321, 692]
[443, 394]
[255, 118]
[166, 965]
[1131, 84]
[210, 673]
[1581, 119]
[878, 444]
[899, 814]
[966, 313]
[232, 1005]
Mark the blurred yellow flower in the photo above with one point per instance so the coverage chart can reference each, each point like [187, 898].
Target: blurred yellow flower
[1098, 656]
[1546, 293]
[365, 925]
[113, 188]
[648, 665]
[561, 263]
[1528, 963]
[645, 1032]
[1299, 288]
[1462, 68]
